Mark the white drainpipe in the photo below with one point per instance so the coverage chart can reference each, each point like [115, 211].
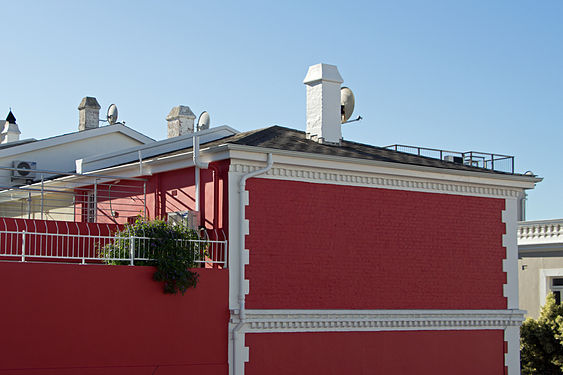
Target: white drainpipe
[242, 295]
[198, 165]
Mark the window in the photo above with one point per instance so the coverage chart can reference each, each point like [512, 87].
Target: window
[557, 288]
[91, 207]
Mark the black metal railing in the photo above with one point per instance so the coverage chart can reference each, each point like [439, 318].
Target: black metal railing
[494, 162]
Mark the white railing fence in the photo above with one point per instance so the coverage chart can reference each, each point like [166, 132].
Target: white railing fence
[97, 243]
[544, 231]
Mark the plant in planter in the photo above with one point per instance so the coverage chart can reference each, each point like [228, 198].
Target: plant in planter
[172, 249]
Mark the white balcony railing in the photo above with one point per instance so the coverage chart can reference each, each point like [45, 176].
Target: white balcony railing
[26, 246]
[540, 232]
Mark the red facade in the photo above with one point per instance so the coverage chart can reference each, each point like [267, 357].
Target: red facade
[312, 247]
[72, 319]
[374, 353]
[322, 246]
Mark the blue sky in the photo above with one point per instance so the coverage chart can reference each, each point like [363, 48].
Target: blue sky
[458, 75]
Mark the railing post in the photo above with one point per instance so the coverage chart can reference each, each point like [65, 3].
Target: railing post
[29, 204]
[132, 250]
[144, 198]
[42, 197]
[96, 200]
[493, 162]
[23, 245]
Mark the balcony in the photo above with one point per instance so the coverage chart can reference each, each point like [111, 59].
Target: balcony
[24, 240]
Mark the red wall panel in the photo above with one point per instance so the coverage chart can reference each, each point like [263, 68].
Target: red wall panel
[165, 192]
[321, 246]
[402, 352]
[68, 319]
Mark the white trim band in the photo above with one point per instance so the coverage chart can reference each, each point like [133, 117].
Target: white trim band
[266, 321]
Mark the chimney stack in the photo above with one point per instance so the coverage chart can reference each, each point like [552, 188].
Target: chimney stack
[180, 121]
[10, 132]
[88, 114]
[323, 104]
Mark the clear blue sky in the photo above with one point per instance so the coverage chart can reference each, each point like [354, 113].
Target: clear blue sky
[460, 75]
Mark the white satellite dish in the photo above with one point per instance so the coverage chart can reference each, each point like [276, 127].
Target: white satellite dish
[112, 114]
[346, 103]
[203, 121]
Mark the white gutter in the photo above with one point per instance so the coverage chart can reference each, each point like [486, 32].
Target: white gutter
[242, 295]
[198, 165]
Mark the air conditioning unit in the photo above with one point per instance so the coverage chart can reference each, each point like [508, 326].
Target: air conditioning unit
[25, 170]
[189, 219]
[454, 159]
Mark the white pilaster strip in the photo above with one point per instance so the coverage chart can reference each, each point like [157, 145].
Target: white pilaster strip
[512, 357]
[510, 243]
[510, 289]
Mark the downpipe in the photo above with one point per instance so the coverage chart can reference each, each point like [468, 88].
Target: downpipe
[242, 297]
[198, 165]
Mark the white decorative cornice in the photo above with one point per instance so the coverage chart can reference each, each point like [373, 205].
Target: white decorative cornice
[265, 321]
[341, 177]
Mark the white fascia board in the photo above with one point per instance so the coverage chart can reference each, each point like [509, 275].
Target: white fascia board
[252, 153]
[155, 165]
[73, 137]
[165, 146]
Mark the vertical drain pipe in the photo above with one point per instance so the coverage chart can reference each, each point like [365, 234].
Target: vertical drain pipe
[242, 296]
[198, 165]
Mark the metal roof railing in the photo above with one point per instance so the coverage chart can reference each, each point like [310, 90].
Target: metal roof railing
[490, 161]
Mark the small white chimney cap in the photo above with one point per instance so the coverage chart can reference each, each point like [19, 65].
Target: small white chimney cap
[323, 72]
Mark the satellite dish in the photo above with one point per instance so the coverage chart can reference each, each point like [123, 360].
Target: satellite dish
[346, 103]
[203, 121]
[112, 114]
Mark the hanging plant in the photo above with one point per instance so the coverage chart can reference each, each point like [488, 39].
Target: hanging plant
[172, 249]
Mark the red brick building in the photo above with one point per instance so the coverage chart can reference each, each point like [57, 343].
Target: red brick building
[342, 258]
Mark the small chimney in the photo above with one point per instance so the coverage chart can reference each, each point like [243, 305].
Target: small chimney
[88, 114]
[323, 104]
[10, 132]
[180, 121]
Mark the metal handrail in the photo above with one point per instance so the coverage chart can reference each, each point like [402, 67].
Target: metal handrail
[473, 158]
[86, 248]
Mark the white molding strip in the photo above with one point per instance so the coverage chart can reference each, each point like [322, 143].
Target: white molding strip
[351, 178]
[545, 274]
[267, 321]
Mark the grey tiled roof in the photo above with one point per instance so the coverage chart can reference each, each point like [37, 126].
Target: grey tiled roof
[278, 137]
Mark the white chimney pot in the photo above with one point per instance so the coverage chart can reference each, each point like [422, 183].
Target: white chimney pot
[323, 104]
[180, 121]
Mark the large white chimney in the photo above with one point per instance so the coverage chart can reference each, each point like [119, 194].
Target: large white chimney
[10, 132]
[323, 104]
[180, 121]
[88, 113]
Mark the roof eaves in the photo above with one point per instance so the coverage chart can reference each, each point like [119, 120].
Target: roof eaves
[459, 172]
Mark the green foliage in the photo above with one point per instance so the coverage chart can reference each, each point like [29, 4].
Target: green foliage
[160, 244]
[541, 341]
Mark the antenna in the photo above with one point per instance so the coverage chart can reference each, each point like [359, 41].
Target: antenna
[346, 104]
[203, 121]
[112, 114]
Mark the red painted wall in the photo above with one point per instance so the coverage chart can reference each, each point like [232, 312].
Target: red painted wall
[72, 319]
[321, 246]
[370, 353]
[165, 192]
